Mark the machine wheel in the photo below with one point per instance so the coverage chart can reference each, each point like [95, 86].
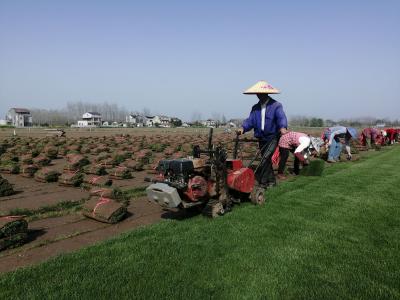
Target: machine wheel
[257, 196]
[214, 209]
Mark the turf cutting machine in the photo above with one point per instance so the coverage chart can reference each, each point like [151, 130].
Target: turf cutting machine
[207, 180]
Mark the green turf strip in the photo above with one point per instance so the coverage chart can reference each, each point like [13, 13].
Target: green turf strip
[335, 236]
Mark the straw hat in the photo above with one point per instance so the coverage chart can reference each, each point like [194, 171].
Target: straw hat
[261, 87]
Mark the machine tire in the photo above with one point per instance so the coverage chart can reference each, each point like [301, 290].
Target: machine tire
[214, 209]
[257, 196]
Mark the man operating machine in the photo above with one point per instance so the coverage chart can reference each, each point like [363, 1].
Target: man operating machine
[269, 122]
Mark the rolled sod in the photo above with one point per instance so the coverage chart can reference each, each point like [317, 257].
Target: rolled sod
[94, 180]
[95, 169]
[51, 152]
[104, 210]
[46, 175]
[315, 168]
[120, 172]
[76, 162]
[133, 165]
[41, 161]
[9, 168]
[102, 156]
[70, 179]
[26, 159]
[11, 225]
[108, 192]
[6, 188]
[13, 231]
[13, 241]
[28, 170]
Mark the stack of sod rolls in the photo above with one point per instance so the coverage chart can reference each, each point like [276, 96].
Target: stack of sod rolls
[104, 210]
[92, 180]
[69, 178]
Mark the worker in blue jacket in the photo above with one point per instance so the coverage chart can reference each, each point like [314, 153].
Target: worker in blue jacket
[335, 137]
[268, 120]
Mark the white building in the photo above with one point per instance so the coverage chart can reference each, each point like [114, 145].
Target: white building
[210, 123]
[135, 120]
[19, 117]
[90, 119]
[160, 121]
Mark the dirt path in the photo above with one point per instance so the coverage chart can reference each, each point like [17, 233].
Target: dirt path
[51, 237]
[32, 194]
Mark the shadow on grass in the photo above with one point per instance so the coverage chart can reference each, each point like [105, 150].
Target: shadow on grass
[181, 214]
[33, 234]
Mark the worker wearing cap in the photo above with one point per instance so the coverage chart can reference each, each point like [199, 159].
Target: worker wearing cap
[333, 137]
[268, 120]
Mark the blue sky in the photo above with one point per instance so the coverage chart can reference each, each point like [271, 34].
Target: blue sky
[331, 59]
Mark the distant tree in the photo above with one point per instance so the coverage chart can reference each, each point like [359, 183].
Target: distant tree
[176, 122]
[223, 119]
[314, 122]
[74, 111]
[196, 117]
[329, 123]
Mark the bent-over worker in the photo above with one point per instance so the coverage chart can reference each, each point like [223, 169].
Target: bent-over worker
[301, 145]
[334, 137]
[369, 136]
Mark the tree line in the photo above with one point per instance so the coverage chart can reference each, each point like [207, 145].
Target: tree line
[112, 112]
[74, 111]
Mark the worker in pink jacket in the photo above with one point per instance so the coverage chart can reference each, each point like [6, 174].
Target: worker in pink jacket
[369, 136]
[299, 143]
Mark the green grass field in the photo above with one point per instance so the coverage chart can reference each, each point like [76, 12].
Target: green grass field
[335, 236]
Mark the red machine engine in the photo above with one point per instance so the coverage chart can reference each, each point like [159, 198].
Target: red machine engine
[197, 188]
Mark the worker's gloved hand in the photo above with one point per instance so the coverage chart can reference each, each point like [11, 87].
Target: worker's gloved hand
[349, 157]
[239, 131]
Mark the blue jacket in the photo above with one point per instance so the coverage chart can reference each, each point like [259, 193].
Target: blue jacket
[275, 119]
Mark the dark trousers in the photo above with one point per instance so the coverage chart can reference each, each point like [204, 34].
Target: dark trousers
[284, 155]
[265, 173]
